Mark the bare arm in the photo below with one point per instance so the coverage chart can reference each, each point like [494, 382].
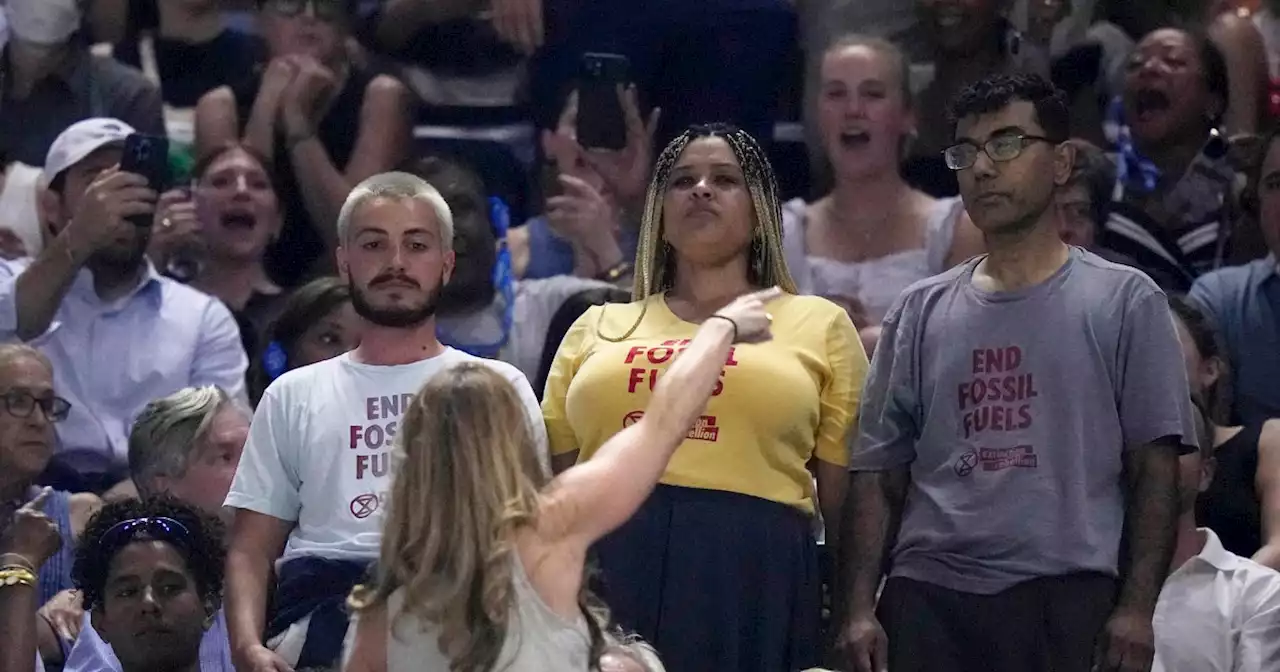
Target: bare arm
[383, 140]
[17, 627]
[1242, 48]
[218, 123]
[368, 651]
[833, 483]
[518, 244]
[1267, 483]
[593, 498]
[30, 539]
[107, 202]
[257, 540]
[1150, 524]
[82, 506]
[871, 519]
[41, 287]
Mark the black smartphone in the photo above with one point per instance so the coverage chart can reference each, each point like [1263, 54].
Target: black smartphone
[148, 156]
[601, 124]
[549, 180]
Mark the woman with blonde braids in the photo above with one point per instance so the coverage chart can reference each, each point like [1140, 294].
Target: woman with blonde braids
[718, 569]
[481, 566]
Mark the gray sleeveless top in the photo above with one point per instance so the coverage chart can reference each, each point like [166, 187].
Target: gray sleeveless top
[874, 282]
[538, 639]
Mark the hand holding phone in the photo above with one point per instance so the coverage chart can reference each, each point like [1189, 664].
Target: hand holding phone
[601, 122]
[626, 171]
[147, 156]
[114, 199]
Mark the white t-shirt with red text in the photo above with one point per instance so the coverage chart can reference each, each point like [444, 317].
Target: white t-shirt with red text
[320, 449]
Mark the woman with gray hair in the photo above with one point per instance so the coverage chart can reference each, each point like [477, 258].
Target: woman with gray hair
[188, 444]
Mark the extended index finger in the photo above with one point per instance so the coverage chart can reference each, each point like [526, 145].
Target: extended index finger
[37, 503]
[630, 102]
[568, 121]
[767, 295]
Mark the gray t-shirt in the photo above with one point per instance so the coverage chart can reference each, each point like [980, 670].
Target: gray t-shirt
[1013, 410]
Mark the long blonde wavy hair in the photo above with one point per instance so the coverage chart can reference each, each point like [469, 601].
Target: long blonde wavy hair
[466, 478]
[655, 258]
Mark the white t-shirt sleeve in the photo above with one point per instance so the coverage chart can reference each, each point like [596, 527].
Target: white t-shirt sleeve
[267, 479]
[534, 410]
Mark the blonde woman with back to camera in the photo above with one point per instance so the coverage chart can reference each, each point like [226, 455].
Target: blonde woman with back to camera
[482, 559]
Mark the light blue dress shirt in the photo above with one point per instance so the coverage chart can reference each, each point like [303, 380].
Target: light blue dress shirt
[91, 654]
[1244, 301]
[111, 358]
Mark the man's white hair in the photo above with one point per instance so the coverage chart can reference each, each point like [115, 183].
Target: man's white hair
[398, 186]
[167, 433]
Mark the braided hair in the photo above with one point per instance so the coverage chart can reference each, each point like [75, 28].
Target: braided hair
[655, 259]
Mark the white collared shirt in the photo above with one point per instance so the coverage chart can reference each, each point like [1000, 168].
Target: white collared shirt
[1219, 612]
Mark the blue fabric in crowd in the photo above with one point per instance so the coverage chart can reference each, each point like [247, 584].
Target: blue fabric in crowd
[550, 255]
[55, 574]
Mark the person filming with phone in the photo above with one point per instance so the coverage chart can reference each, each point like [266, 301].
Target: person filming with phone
[117, 332]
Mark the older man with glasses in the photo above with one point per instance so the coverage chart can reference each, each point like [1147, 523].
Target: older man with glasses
[28, 411]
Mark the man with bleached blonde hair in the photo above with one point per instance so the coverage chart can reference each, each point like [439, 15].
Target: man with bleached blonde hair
[309, 492]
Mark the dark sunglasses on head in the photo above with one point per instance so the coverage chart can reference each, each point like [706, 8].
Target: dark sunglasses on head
[333, 11]
[21, 404]
[159, 528]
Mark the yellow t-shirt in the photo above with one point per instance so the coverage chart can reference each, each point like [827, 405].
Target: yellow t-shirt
[778, 403]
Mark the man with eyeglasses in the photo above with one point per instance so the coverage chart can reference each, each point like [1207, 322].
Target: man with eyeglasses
[28, 410]
[1022, 424]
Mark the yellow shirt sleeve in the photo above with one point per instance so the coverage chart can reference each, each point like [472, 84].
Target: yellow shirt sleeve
[842, 393]
[573, 348]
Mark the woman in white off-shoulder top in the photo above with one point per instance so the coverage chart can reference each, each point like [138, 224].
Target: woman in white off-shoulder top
[873, 235]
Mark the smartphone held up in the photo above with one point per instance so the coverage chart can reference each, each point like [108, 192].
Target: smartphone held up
[601, 122]
[148, 156]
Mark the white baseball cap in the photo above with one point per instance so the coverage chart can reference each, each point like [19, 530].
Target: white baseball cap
[80, 140]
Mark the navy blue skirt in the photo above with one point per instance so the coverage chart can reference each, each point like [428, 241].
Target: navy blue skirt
[716, 581]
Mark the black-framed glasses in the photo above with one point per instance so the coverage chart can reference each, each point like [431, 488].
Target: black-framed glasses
[21, 404]
[329, 11]
[159, 528]
[1000, 148]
